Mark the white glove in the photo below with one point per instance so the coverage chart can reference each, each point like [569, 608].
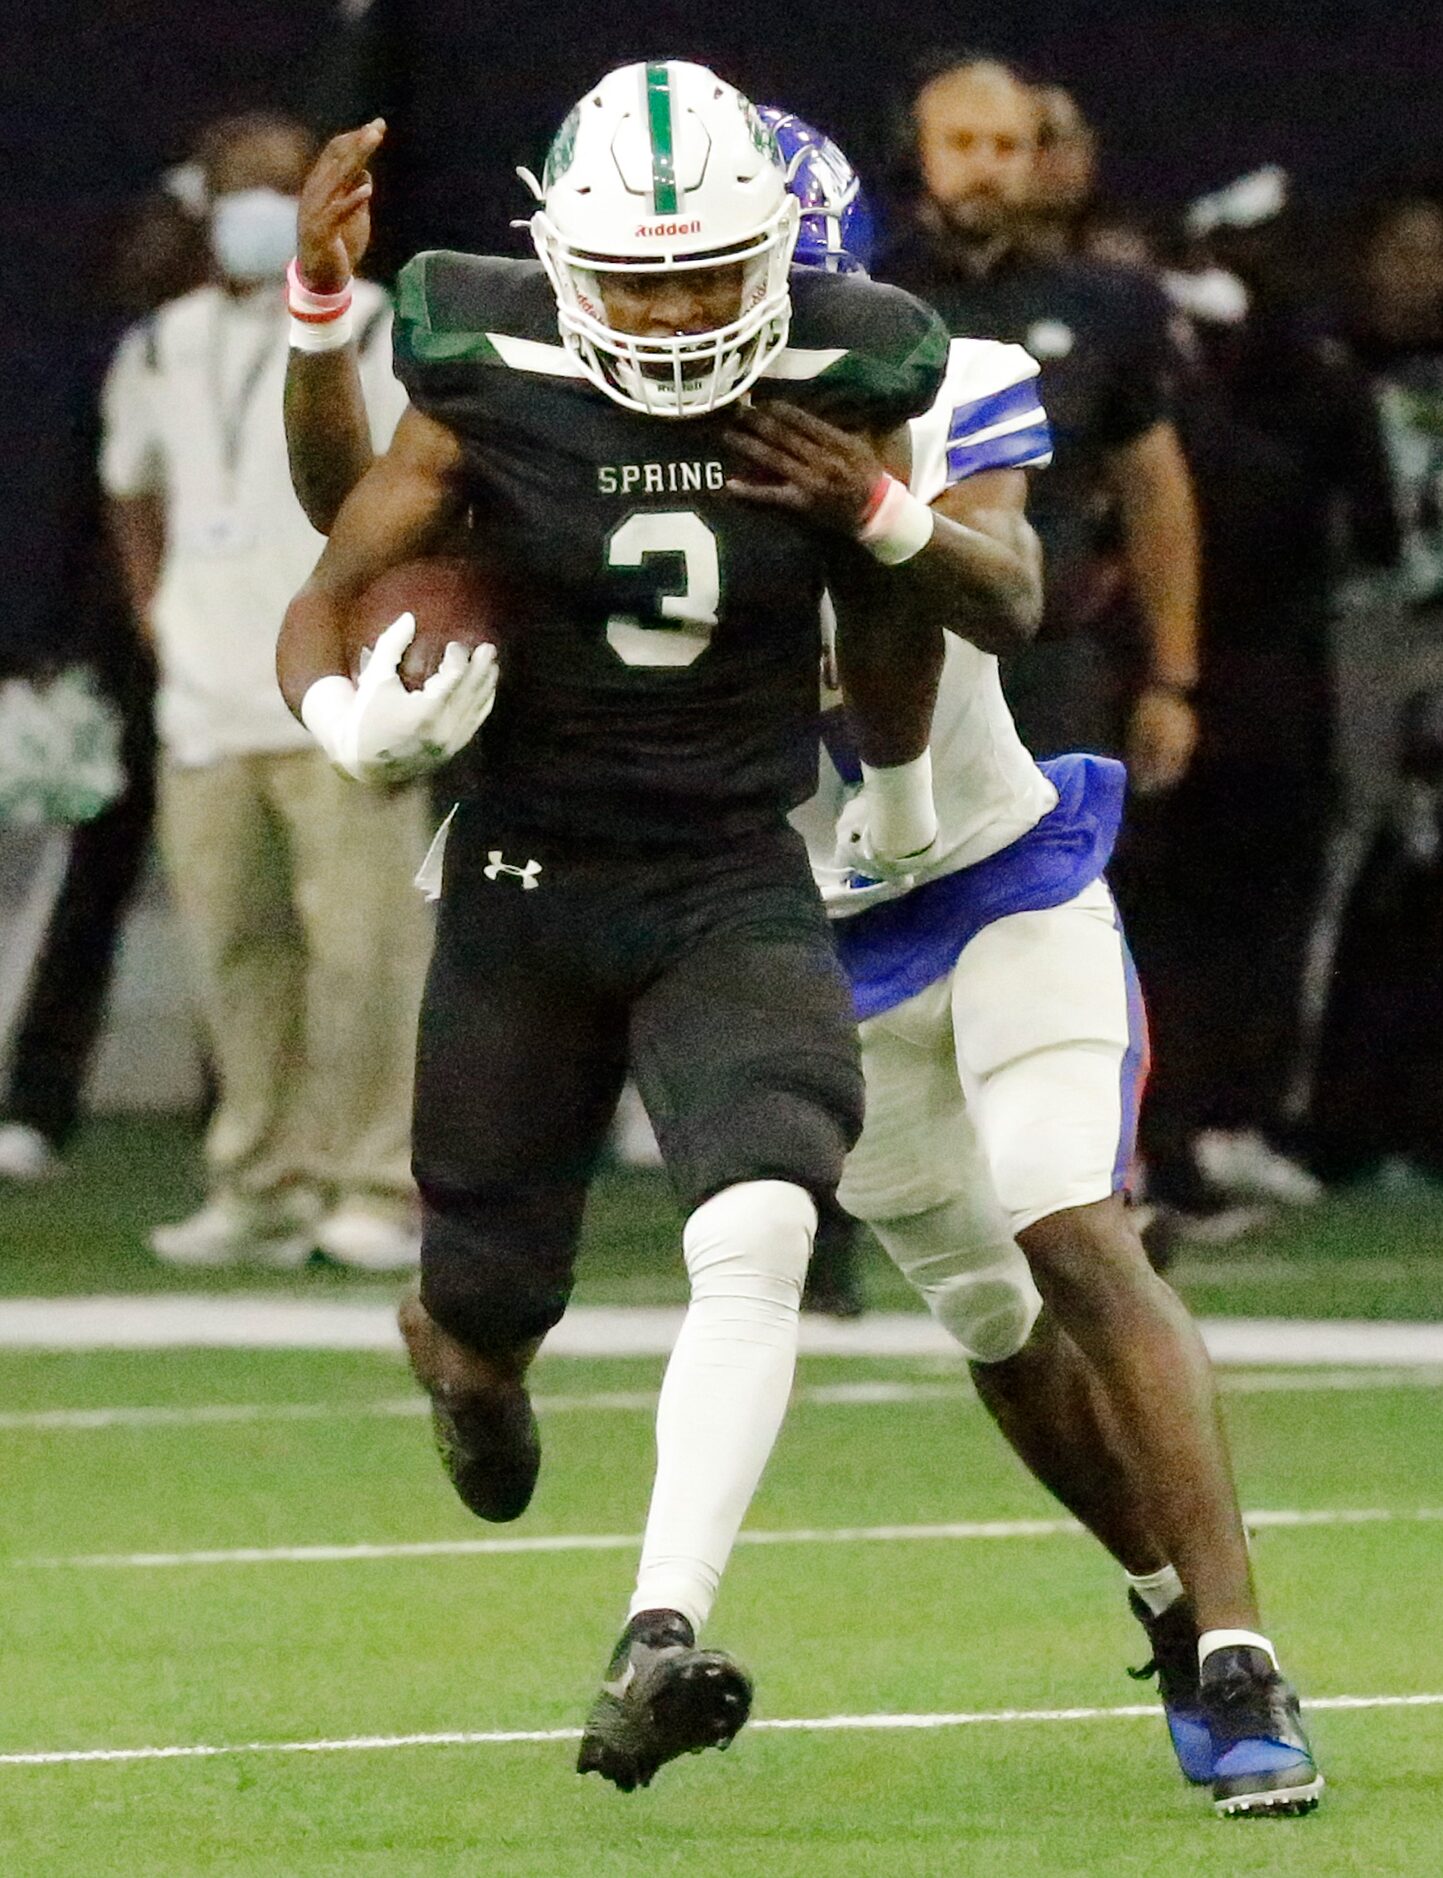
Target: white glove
[378, 731]
[857, 855]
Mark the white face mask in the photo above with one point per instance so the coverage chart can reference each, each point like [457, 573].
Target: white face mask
[253, 233]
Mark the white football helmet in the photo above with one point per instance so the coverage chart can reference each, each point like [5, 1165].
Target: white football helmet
[666, 166]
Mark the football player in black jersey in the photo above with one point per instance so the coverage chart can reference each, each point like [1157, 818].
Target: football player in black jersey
[622, 890]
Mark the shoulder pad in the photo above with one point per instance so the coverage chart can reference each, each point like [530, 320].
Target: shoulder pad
[451, 308]
[860, 353]
[979, 368]
[987, 416]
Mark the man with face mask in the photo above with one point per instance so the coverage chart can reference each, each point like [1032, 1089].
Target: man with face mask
[308, 942]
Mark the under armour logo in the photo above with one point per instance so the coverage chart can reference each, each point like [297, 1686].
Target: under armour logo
[526, 875]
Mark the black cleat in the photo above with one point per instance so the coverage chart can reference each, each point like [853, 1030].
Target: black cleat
[1264, 1764]
[662, 1697]
[1173, 1637]
[491, 1448]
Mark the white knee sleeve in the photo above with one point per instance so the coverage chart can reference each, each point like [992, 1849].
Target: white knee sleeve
[726, 1386]
[751, 1241]
[981, 1291]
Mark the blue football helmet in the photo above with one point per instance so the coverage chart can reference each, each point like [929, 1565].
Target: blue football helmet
[837, 231]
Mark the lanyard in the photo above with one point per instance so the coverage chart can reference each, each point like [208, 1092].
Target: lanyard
[230, 421]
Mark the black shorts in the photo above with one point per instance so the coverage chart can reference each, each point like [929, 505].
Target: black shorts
[709, 977]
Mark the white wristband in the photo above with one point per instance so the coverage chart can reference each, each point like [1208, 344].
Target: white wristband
[899, 526]
[901, 811]
[325, 708]
[329, 336]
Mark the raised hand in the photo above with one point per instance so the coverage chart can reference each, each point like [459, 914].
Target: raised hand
[334, 221]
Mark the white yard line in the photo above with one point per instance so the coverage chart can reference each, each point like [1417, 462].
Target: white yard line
[1299, 1381]
[203, 1415]
[244, 1321]
[872, 1394]
[186, 1320]
[1285, 1342]
[600, 1401]
[817, 1724]
[1284, 1269]
[1265, 1518]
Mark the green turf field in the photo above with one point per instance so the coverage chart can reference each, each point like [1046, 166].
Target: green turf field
[1359, 1255]
[110, 1458]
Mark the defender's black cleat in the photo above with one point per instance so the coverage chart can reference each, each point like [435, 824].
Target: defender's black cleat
[1264, 1764]
[1173, 1637]
[662, 1697]
[491, 1447]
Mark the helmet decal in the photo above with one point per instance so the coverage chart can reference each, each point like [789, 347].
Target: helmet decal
[563, 149]
[761, 132]
[663, 153]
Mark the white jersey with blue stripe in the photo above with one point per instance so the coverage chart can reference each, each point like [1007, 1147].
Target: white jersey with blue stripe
[987, 416]
[988, 790]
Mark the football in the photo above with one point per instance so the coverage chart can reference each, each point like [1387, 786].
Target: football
[450, 599]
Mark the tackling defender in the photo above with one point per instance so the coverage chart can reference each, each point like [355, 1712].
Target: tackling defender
[1003, 1046]
[624, 891]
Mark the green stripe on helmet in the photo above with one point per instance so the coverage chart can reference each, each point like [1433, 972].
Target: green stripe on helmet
[663, 156]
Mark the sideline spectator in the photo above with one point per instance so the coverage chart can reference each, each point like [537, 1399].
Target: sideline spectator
[294, 889]
[1376, 970]
[1284, 447]
[1101, 338]
[1391, 634]
[65, 984]
[1378, 1103]
[161, 255]
[1064, 172]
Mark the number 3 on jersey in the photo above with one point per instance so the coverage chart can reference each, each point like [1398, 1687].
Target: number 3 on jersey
[694, 609]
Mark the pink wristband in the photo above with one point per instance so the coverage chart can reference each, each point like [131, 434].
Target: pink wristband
[874, 501]
[310, 307]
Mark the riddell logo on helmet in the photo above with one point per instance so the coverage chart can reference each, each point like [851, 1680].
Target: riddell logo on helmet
[668, 228]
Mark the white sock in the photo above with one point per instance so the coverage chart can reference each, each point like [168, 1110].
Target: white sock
[1158, 1590]
[726, 1387]
[1211, 1640]
[901, 814]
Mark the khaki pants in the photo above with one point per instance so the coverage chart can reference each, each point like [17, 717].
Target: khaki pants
[294, 886]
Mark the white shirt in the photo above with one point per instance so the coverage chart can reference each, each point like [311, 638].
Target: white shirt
[193, 413]
[987, 788]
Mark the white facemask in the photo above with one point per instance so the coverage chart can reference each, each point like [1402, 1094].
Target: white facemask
[253, 233]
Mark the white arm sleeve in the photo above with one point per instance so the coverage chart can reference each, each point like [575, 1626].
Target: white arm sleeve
[988, 415]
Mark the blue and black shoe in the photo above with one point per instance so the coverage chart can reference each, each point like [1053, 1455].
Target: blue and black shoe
[1263, 1764]
[1173, 1637]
